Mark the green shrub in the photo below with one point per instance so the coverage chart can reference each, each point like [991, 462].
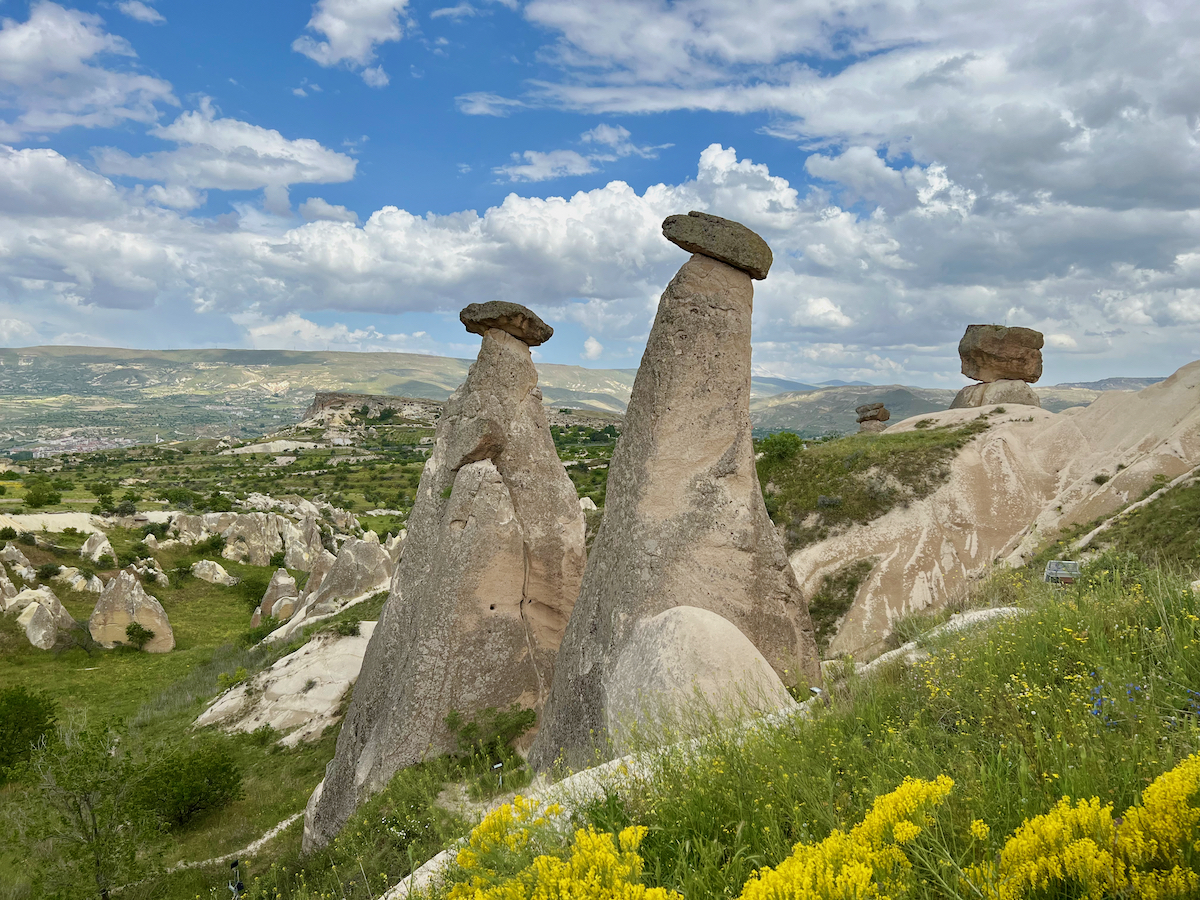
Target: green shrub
[277, 559]
[260, 631]
[8, 533]
[184, 782]
[1101, 478]
[46, 571]
[41, 493]
[26, 717]
[27, 538]
[835, 597]
[347, 629]
[106, 562]
[138, 635]
[126, 508]
[212, 545]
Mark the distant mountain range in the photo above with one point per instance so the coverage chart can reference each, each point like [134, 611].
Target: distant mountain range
[98, 395]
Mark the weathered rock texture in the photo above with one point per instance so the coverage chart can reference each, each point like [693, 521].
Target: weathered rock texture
[723, 239]
[997, 353]
[12, 554]
[257, 536]
[279, 600]
[684, 521]
[96, 546]
[485, 586]
[991, 392]
[871, 417]
[512, 318]
[213, 573]
[1029, 476]
[360, 570]
[682, 670]
[124, 601]
[41, 615]
[7, 589]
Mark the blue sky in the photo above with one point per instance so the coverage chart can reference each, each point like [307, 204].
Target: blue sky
[348, 174]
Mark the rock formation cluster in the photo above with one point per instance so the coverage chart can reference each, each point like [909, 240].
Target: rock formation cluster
[124, 601]
[1004, 360]
[486, 581]
[685, 524]
[871, 417]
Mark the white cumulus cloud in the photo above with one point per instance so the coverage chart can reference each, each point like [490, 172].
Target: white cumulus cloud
[140, 11]
[592, 348]
[55, 73]
[352, 30]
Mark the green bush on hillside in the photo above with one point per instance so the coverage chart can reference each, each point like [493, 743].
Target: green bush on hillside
[814, 488]
[185, 782]
[26, 717]
[8, 533]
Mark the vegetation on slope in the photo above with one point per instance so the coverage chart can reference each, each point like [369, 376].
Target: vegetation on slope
[814, 488]
[1089, 695]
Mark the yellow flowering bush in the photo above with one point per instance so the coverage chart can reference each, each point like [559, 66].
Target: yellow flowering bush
[1147, 854]
[868, 863]
[597, 866]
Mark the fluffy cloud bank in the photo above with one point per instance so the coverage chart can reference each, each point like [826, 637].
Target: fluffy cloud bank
[881, 297]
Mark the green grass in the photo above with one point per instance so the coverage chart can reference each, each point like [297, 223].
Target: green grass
[1168, 530]
[835, 597]
[1089, 695]
[816, 488]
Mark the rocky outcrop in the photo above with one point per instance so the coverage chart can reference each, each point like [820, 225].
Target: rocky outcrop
[279, 600]
[485, 586]
[7, 589]
[996, 353]
[359, 571]
[41, 615]
[96, 546]
[871, 417]
[300, 694]
[722, 239]
[992, 392]
[512, 318]
[1005, 360]
[124, 601]
[12, 554]
[683, 670]
[213, 573]
[40, 627]
[253, 538]
[77, 581]
[684, 519]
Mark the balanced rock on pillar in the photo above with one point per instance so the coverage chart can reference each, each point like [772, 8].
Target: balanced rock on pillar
[871, 417]
[1005, 360]
[684, 523]
[491, 566]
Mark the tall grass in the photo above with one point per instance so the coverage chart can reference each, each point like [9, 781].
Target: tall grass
[1093, 694]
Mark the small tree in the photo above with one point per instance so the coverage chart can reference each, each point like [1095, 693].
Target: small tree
[80, 813]
[25, 719]
[138, 635]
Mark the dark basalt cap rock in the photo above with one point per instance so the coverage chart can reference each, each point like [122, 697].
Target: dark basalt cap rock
[722, 239]
[519, 321]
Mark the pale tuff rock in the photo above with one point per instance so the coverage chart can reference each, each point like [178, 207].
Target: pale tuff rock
[124, 601]
[299, 695]
[721, 239]
[1030, 475]
[489, 573]
[7, 589]
[253, 538]
[682, 670]
[150, 541]
[684, 519]
[587, 504]
[394, 546]
[871, 426]
[12, 554]
[359, 571]
[45, 598]
[513, 318]
[997, 353]
[213, 573]
[96, 546]
[40, 627]
[993, 392]
[280, 595]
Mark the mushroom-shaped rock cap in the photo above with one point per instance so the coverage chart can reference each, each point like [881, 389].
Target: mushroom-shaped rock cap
[722, 239]
[519, 321]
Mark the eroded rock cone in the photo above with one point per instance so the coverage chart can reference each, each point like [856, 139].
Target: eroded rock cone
[685, 523]
[996, 353]
[489, 573]
[125, 601]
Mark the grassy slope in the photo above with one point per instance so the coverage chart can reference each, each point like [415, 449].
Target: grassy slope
[817, 487]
